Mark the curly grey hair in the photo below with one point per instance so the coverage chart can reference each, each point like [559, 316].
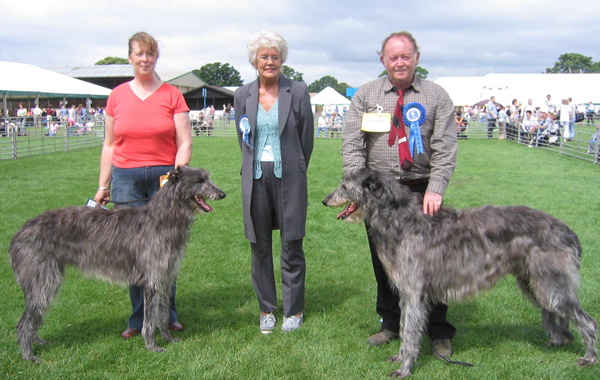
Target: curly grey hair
[267, 39]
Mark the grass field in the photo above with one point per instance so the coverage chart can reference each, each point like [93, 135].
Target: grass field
[499, 332]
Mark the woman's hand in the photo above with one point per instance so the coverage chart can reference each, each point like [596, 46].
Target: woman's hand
[102, 196]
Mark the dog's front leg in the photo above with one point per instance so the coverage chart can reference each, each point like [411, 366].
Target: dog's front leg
[412, 322]
[151, 313]
[163, 314]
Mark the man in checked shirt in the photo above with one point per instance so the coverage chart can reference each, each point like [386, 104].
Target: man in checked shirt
[367, 146]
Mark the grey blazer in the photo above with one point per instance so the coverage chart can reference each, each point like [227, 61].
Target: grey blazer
[296, 133]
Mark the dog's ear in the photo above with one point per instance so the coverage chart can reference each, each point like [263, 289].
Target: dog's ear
[374, 185]
[174, 176]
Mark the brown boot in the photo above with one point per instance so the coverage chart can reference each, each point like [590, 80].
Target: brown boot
[442, 348]
[382, 337]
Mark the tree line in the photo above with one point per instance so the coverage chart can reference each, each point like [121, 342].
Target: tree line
[574, 63]
[223, 74]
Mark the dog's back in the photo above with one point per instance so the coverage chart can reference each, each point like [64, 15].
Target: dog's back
[507, 224]
[80, 236]
[491, 242]
[518, 227]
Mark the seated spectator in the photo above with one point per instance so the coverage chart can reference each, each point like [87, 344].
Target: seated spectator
[82, 128]
[590, 110]
[551, 132]
[546, 121]
[461, 125]
[460, 122]
[322, 125]
[529, 123]
[53, 129]
[337, 125]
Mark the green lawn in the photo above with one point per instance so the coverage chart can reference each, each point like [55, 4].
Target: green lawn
[499, 332]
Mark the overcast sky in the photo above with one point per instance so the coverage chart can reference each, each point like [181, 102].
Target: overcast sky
[338, 38]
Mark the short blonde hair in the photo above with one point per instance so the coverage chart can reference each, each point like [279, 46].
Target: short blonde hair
[267, 39]
[146, 42]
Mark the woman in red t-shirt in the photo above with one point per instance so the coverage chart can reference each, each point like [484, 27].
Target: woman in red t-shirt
[147, 134]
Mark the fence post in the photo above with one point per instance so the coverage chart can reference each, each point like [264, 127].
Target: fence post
[13, 141]
[561, 141]
[65, 125]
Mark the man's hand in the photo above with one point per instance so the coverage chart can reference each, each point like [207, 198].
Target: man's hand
[432, 202]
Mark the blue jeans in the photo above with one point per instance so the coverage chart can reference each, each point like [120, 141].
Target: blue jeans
[572, 127]
[319, 129]
[129, 185]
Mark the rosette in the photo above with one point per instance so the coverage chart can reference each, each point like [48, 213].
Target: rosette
[245, 129]
[414, 115]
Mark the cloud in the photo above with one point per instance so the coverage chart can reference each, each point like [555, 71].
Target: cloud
[338, 38]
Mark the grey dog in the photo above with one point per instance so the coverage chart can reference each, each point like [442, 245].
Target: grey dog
[460, 252]
[135, 246]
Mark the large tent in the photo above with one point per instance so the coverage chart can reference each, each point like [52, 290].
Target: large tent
[328, 99]
[462, 90]
[582, 88]
[22, 80]
[329, 96]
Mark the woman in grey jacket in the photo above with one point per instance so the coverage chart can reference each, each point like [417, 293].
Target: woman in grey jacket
[276, 133]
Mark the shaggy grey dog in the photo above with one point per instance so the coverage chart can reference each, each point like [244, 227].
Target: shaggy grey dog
[458, 253]
[135, 246]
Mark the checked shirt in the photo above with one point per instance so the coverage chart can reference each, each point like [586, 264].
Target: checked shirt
[370, 149]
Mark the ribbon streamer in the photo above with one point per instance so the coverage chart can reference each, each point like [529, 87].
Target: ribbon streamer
[414, 116]
[245, 129]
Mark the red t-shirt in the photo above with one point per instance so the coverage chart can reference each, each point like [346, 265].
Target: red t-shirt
[144, 129]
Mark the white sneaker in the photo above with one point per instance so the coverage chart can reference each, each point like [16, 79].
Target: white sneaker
[292, 323]
[267, 323]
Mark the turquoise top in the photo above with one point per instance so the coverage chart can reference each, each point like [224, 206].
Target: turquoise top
[267, 134]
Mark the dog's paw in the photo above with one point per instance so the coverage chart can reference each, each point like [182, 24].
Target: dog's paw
[556, 343]
[400, 374]
[175, 340]
[587, 362]
[32, 358]
[155, 349]
[394, 359]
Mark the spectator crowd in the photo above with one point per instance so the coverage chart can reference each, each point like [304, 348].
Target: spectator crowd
[537, 125]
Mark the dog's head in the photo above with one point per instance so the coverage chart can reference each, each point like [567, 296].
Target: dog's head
[360, 190]
[193, 186]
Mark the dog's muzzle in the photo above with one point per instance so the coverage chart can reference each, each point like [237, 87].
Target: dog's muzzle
[348, 210]
[205, 207]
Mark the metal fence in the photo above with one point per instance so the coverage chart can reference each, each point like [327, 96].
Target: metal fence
[21, 137]
[29, 136]
[220, 126]
[583, 146]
